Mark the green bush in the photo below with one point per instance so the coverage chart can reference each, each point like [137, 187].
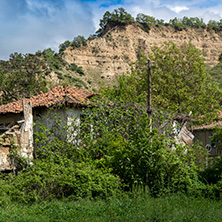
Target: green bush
[117, 17]
[62, 179]
[73, 67]
[78, 41]
[120, 139]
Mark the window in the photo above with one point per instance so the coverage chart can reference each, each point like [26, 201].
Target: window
[212, 140]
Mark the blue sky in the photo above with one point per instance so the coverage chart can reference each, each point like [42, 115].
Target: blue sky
[31, 25]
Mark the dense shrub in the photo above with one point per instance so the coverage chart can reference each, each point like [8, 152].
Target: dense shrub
[73, 67]
[120, 139]
[62, 178]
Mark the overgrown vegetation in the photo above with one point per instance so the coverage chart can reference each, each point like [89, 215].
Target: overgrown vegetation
[180, 83]
[216, 71]
[121, 17]
[73, 67]
[76, 43]
[22, 76]
[115, 154]
[117, 17]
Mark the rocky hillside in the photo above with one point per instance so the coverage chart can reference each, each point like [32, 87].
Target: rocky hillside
[104, 58]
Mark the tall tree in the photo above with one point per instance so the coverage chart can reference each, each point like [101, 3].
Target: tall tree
[117, 17]
[22, 76]
[179, 81]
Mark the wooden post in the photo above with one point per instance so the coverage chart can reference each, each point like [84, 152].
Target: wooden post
[149, 110]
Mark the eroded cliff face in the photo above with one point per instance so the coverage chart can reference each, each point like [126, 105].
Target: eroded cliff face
[106, 57]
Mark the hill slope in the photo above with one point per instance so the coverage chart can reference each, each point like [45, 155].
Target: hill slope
[106, 57]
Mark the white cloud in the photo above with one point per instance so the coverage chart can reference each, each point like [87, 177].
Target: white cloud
[41, 24]
[178, 9]
[31, 25]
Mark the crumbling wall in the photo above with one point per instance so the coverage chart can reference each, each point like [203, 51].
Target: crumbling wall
[26, 133]
[18, 134]
[8, 140]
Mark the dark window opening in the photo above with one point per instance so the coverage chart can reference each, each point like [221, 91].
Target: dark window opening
[212, 140]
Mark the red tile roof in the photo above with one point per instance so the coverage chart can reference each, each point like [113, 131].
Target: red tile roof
[56, 96]
[216, 123]
[209, 125]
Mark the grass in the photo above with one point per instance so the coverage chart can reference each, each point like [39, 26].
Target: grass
[140, 208]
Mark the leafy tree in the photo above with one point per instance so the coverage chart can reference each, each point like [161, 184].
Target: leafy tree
[179, 81]
[91, 37]
[193, 22]
[53, 59]
[119, 138]
[149, 20]
[146, 21]
[78, 42]
[177, 24]
[63, 46]
[212, 24]
[117, 17]
[22, 76]
[216, 72]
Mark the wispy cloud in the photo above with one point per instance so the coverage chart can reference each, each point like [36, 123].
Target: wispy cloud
[31, 25]
[178, 9]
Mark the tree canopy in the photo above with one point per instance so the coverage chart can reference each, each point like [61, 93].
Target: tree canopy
[23, 75]
[117, 17]
[179, 81]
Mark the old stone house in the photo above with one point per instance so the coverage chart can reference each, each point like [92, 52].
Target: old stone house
[16, 119]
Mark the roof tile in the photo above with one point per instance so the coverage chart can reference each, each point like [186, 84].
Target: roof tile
[56, 96]
[216, 123]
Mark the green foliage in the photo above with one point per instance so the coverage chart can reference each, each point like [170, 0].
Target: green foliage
[77, 82]
[22, 76]
[60, 178]
[146, 21]
[179, 76]
[63, 46]
[60, 170]
[120, 139]
[177, 24]
[217, 138]
[76, 43]
[215, 25]
[179, 81]
[201, 155]
[115, 147]
[91, 37]
[216, 73]
[73, 67]
[117, 17]
[137, 207]
[149, 20]
[193, 22]
[53, 59]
